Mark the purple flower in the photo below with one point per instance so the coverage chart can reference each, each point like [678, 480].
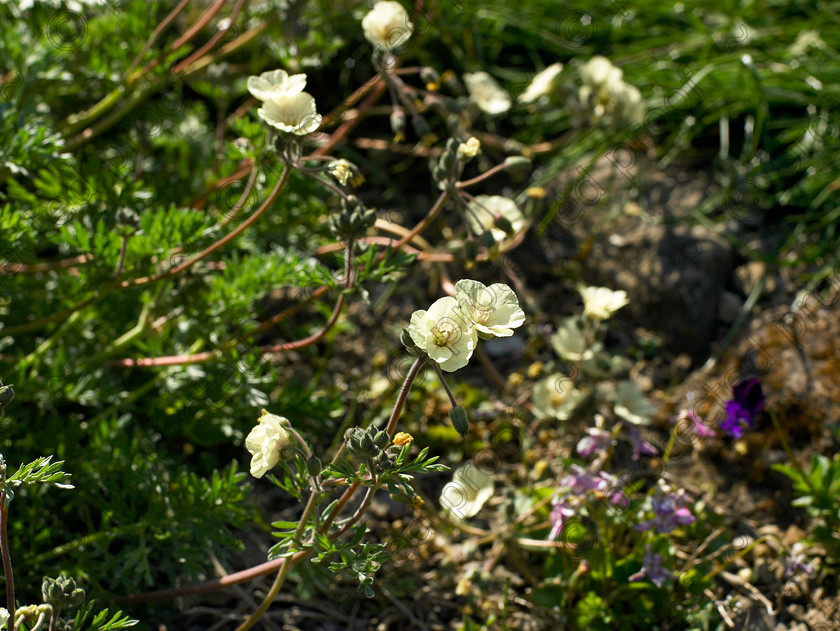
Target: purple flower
[560, 511]
[652, 569]
[580, 481]
[669, 512]
[747, 401]
[641, 447]
[597, 441]
[696, 423]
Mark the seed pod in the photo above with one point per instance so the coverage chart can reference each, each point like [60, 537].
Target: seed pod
[458, 416]
[519, 165]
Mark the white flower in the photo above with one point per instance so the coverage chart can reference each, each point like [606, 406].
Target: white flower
[494, 310]
[293, 114]
[600, 71]
[469, 489]
[484, 210]
[486, 93]
[630, 404]
[599, 303]
[276, 83]
[387, 25]
[542, 84]
[4, 617]
[555, 397]
[444, 334]
[570, 343]
[605, 91]
[268, 442]
[469, 149]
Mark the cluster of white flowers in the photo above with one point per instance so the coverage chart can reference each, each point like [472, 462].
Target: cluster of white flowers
[608, 95]
[449, 330]
[285, 105]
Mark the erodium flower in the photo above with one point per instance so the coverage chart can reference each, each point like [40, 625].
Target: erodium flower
[599, 303]
[485, 209]
[630, 404]
[285, 105]
[555, 397]
[268, 442]
[493, 310]
[747, 401]
[486, 93]
[469, 489]
[444, 333]
[386, 25]
[542, 84]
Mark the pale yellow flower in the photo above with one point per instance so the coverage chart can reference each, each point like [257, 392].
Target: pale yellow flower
[486, 93]
[494, 310]
[484, 209]
[570, 341]
[340, 170]
[599, 303]
[630, 404]
[276, 83]
[542, 84]
[444, 333]
[469, 489]
[469, 149]
[268, 442]
[293, 114]
[387, 25]
[555, 397]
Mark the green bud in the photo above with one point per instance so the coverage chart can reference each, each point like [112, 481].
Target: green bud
[429, 75]
[421, 127]
[368, 446]
[381, 439]
[61, 592]
[518, 165]
[458, 416]
[313, 467]
[410, 346]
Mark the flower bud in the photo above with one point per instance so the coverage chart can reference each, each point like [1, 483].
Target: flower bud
[398, 124]
[458, 416]
[61, 592]
[503, 224]
[313, 467]
[410, 346]
[421, 126]
[381, 439]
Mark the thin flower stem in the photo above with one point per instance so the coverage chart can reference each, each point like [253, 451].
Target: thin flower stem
[359, 512]
[480, 178]
[284, 570]
[398, 406]
[154, 37]
[7, 560]
[445, 385]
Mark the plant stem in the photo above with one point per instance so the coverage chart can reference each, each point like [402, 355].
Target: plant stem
[7, 560]
[398, 406]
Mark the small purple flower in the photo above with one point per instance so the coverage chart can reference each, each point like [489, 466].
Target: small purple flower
[652, 569]
[641, 447]
[696, 423]
[669, 512]
[796, 565]
[579, 481]
[560, 511]
[597, 441]
[747, 401]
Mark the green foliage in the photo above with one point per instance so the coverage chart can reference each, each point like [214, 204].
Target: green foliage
[818, 490]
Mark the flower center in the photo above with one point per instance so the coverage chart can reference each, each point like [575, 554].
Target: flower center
[441, 336]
